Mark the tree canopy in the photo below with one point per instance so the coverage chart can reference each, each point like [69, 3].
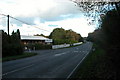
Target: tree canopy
[94, 9]
[61, 36]
[107, 37]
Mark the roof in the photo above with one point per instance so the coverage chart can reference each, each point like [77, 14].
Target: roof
[25, 37]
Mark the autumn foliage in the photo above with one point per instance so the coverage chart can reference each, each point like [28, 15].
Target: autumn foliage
[61, 36]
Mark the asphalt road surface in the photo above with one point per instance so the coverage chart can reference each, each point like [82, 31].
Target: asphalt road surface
[59, 63]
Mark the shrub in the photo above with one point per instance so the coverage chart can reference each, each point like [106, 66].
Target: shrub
[37, 46]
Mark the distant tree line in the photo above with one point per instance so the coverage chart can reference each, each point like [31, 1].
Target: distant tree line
[61, 36]
[41, 35]
[11, 44]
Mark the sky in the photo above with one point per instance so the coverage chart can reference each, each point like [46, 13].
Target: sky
[44, 16]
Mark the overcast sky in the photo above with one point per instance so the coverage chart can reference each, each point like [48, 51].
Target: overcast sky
[45, 14]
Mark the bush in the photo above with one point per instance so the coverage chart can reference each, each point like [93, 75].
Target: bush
[110, 40]
[37, 46]
[11, 44]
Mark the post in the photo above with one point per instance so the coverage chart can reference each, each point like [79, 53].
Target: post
[8, 24]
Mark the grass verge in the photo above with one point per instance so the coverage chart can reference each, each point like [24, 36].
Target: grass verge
[26, 54]
[94, 66]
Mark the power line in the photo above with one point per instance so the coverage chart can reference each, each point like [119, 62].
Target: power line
[24, 22]
[3, 14]
[41, 29]
[20, 20]
[28, 23]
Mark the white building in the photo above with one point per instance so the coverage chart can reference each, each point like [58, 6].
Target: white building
[35, 39]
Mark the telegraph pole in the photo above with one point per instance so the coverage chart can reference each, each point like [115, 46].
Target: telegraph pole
[8, 23]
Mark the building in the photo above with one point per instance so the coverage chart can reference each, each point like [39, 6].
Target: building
[26, 40]
[35, 39]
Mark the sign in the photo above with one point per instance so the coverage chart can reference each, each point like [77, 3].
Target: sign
[48, 40]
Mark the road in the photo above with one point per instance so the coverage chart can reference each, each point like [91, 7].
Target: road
[59, 63]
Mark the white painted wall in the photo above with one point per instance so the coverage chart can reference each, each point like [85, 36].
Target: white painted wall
[60, 46]
[64, 45]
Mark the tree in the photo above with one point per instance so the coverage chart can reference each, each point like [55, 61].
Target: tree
[110, 29]
[18, 34]
[58, 33]
[108, 32]
[61, 36]
[41, 35]
[5, 43]
[98, 37]
[96, 9]
[11, 44]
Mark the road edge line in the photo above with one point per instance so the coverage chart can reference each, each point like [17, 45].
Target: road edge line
[77, 65]
[16, 70]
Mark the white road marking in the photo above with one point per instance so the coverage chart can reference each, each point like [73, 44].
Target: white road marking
[80, 51]
[76, 66]
[16, 70]
[61, 53]
[75, 51]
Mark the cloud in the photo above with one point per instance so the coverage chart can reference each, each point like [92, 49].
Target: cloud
[44, 14]
[78, 25]
[51, 25]
[45, 9]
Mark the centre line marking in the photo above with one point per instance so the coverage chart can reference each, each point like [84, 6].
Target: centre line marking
[75, 51]
[61, 53]
[16, 70]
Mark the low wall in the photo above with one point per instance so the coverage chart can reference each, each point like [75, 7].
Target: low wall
[77, 43]
[64, 45]
[60, 46]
